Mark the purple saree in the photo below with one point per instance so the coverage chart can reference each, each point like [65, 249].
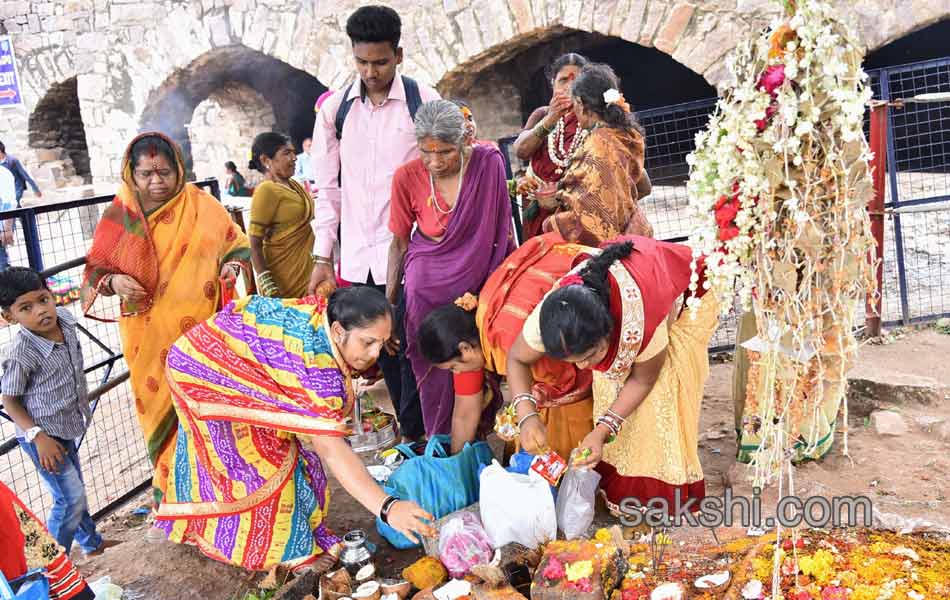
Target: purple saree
[475, 243]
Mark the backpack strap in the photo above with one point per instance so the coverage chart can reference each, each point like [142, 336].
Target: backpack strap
[342, 111]
[413, 97]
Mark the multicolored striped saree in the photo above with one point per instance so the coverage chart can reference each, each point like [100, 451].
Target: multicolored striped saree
[246, 385]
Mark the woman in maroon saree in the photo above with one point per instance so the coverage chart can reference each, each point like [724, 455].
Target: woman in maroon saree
[456, 198]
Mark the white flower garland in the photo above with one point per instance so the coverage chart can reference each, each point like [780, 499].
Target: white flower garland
[779, 184]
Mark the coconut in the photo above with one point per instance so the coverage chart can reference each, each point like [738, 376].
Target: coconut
[715, 582]
[668, 591]
[340, 581]
[366, 573]
[368, 591]
[395, 586]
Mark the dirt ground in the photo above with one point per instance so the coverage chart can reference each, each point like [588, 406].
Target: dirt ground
[904, 475]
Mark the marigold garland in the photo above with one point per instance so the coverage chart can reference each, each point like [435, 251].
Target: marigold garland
[779, 183]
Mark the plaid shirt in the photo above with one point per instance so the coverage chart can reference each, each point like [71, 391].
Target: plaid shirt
[47, 377]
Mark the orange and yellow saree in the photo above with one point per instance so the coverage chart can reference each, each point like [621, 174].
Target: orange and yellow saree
[598, 195]
[176, 253]
[564, 395]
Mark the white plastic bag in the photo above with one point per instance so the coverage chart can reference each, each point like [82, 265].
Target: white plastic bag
[516, 508]
[104, 589]
[576, 502]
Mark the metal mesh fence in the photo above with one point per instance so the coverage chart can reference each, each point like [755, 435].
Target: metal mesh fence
[112, 453]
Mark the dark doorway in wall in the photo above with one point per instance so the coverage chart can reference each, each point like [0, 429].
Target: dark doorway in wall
[57, 132]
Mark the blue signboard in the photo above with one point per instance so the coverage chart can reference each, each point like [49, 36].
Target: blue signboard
[9, 81]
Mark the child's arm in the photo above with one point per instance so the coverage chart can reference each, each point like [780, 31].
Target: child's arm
[52, 454]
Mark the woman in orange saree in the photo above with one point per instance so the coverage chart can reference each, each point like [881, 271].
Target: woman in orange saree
[171, 253]
[474, 344]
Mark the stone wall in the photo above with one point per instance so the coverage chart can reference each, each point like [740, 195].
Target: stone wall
[223, 128]
[122, 52]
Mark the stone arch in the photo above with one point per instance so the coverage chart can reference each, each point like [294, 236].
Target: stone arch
[58, 137]
[223, 127]
[290, 92]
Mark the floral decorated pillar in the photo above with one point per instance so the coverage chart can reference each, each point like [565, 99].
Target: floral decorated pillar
[779, 184]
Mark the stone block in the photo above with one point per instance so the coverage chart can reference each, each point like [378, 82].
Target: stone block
[471, 39]
[524, 20]
[9, 10]
[888, 422]
[127, 14]
[676, 23]
[604, 15]
[33, 21]
[217, 25]
[651, 22]
[632, 22]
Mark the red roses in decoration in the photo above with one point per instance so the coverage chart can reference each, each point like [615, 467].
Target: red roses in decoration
[772, 79]
[726, 210]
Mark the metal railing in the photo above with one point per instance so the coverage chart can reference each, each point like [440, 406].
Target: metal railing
[112, 451]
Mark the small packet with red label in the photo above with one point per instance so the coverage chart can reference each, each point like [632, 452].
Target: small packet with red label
[550, 466]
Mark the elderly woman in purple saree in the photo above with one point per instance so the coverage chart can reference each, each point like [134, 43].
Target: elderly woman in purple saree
[451, 223]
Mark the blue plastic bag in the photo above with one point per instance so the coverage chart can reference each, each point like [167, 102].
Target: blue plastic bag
[439, 483]
[31, 586]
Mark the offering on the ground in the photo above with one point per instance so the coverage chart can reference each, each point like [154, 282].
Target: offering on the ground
[427, 572]
[368, 591]
[852, 565]
[463, 544]
[578, 569]
[394, 586]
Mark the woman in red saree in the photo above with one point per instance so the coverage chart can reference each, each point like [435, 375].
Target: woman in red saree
[27, 545]
[474, 345]
[619, 313]
[548, 141]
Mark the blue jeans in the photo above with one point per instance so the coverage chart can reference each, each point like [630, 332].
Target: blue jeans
[69, 518]
[4, 259]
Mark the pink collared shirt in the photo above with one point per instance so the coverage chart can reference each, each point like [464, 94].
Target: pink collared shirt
[376, 141]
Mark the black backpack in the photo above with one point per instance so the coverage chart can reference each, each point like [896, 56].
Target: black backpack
[413, 99]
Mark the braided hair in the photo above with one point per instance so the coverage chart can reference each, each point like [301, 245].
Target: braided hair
[575, 318]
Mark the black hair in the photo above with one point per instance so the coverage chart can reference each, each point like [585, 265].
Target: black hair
[374, 24]
[267, 144]
[574, 318]
[150, 145]
[357, 306]
[16, 281]
[590, 85]
[230, 166]
[3, 148]
[443, 330]
[571, 58]
[460, 103]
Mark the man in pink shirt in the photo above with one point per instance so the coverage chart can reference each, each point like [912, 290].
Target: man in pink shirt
[361, 136]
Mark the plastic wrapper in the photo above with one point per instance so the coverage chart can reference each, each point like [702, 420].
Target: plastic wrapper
[516, 508]
[576, 502]
[463, 544]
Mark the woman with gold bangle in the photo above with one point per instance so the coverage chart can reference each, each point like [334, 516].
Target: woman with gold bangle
[281, 210]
